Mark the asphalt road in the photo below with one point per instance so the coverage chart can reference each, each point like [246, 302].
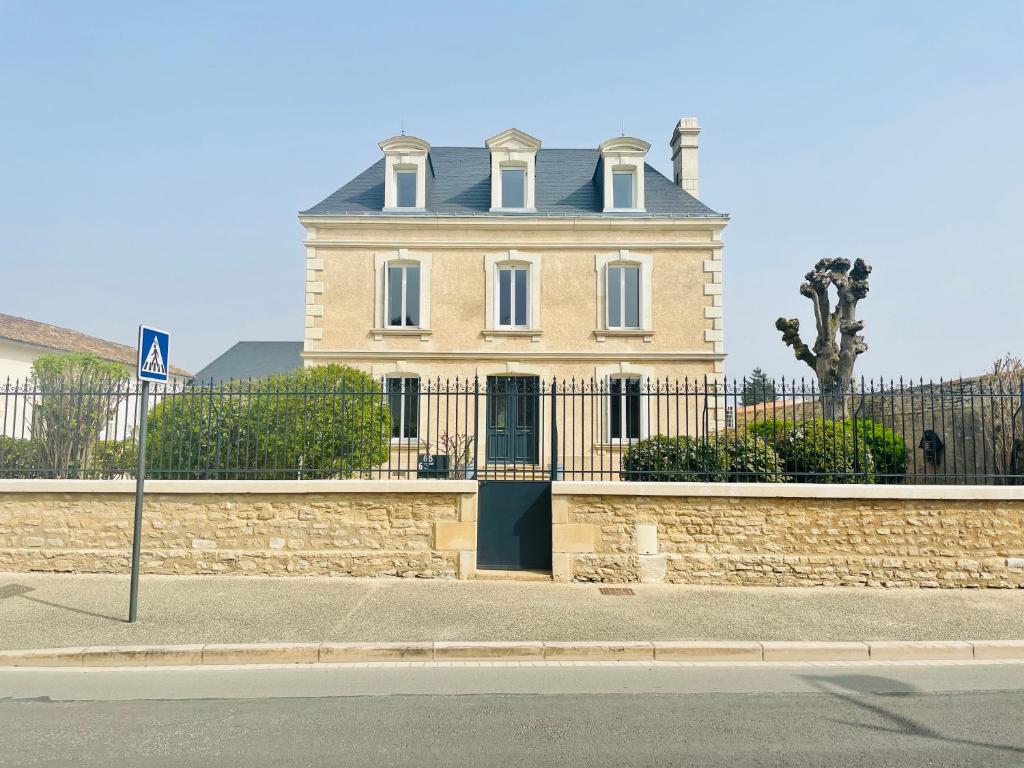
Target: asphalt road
[640, 715]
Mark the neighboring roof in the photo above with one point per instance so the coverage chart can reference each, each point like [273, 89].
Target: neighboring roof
[252, 360]
[59, 339]
[566, 185]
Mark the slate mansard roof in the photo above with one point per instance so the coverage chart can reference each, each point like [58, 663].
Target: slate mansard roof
[459, 184]
[252, 360]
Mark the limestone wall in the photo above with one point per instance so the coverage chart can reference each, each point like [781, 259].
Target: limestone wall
[347, 528]
[796, 535]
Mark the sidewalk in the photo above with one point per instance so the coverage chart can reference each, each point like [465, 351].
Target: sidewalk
[59, 610]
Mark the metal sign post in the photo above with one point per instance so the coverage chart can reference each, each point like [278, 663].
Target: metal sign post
[152, 366]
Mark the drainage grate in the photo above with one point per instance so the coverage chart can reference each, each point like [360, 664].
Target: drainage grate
[616, 591]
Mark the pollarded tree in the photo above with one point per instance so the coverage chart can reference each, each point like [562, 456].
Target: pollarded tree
[831, 359]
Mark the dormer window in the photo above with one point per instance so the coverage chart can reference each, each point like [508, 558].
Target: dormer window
[623, 189]
[513, 171]
[405, 188]
[622, 175]
[406, 170]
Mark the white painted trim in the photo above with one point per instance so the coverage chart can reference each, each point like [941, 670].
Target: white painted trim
[492, 263]
[792, 491]
[381, 260]
[240, 486]
[645, 262]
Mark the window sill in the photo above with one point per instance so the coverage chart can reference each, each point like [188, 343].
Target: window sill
[490, 334]
[512, 210]
[403, 210]
[407, 442]
[624, 333]
[380, 333]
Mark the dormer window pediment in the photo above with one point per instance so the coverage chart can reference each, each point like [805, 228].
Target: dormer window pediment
[622, 177]
[405, 174]
[513, 171]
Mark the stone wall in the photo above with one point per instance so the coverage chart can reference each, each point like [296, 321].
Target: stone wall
[792, 535]
[346, 528]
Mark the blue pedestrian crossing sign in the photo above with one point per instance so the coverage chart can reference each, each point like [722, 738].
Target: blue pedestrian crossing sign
[153, 348]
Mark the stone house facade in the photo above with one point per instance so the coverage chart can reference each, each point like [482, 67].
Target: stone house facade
[514, 263]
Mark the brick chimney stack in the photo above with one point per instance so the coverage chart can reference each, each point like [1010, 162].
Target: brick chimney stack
[684, 155]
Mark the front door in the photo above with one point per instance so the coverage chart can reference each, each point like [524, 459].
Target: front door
[513, 404]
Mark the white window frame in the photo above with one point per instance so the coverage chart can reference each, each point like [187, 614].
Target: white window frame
[513, 148]
[631, 173]
[623, 266]
[623, 419]
[414, 172]
[492, 263]
[404, 153]
[401, 257]
[511, 267]
[405, 266]
[517, 166]
[623, 258]
[403, 377]
[623, 153]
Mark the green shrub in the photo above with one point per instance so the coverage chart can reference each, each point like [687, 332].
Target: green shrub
[751, 459]
[313, 423]
[674, 459]
[19, 459]
[888, 448]
[114, 460]
[772, 431]
[824, 451]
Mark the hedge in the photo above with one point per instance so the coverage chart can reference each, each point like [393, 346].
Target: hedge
[19, 459]
[313, 423]
[674, 459]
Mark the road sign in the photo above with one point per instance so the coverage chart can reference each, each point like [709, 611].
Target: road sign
[153, 360]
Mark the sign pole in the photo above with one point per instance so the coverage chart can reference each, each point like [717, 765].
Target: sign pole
[140, 480]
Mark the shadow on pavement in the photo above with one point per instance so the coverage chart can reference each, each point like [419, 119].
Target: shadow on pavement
[18, 590]
[850, 689]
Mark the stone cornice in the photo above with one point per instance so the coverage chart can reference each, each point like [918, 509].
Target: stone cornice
[511, 354]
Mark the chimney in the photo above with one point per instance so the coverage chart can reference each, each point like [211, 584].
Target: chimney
[684, 155]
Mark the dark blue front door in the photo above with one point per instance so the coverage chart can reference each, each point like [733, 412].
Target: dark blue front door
[514, 525]
[513, 403]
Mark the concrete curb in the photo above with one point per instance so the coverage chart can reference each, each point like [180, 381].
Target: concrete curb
[347, 653]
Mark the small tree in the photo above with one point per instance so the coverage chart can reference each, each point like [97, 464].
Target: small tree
[831, 360]
[758, 388]
[78, 395]
[1006, 380]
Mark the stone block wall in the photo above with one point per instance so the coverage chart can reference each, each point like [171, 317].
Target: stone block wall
[800, 536]
[410, 529]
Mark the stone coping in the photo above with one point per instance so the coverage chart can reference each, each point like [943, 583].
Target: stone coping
[792, 491]
[558, 488]
[240, 486]
[507, 651]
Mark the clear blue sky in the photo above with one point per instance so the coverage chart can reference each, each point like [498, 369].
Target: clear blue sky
[153, 156]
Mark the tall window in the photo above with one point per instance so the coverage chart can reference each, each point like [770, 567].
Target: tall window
[623, 195]
[624, 408]
[403, 292]
[403, 401]
[623, 296]
[405, 189]
[513, 297]
[513, 187]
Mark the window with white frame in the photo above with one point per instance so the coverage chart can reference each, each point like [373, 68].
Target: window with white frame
[624, 408]
[513, 296]
[513, 187]
[403, 296]
[623, 189]
[622, 292]
[405, 188]
[403, 402]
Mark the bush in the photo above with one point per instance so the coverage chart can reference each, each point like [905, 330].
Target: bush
[674, 459]
[114, 460]
[773, 431]
[19, 459]
[313, 423]
[752, 459]
[824, 451]
[888, 448]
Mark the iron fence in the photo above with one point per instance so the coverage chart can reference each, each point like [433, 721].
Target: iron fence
[521, 427]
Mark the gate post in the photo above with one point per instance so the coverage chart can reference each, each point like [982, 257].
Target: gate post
[476, 425]
[554, 428]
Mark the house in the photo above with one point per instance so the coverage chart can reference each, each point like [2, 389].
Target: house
[23, 340]
[512, 265]
[251, 360]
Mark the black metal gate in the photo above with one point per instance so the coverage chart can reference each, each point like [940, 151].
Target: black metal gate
[514, 525]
